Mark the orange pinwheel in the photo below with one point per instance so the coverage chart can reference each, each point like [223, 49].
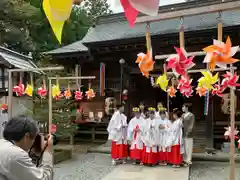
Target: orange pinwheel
[201, 91]
[90, 94]
[145, 63]
[67, 94]
[171, 91]
[220, 54]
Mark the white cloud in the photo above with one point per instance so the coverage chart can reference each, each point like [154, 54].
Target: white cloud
[116, 5]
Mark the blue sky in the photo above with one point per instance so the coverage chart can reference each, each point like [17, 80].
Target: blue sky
[116, 6]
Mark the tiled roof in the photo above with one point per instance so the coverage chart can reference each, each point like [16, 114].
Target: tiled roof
[16, 59]
[75, 47]
[119, 29]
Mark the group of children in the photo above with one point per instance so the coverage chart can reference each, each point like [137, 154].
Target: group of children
[150, 138]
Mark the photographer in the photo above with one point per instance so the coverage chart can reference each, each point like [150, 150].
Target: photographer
[15, 164]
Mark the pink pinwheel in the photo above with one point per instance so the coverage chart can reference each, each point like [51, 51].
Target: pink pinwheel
[19, 90]
[230, 80]
[78, 95]
[218, 90]
[184, 86]
[42, 92]
[133, 7]
[228, 132]
[179, 62]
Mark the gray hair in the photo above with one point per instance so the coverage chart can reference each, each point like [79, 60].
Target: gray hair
[17, 127]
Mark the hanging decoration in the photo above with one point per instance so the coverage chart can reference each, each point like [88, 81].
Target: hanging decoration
[4, 107]
[162, 82]
[152, 81]
[201, 91]
[19, 89]
[239, 144]
[218, 90]
[54, 128]
[78, 95]
[220, 54]
[42, 91]
[145, 61]
[206, 103]
[29, 90]
[230, 80]
[133, 7]
[67, 92]
[56, 93]
[90, 93]
[57, 13]
[180, 62]
[184, 86]
[208, 80]
[171, 91]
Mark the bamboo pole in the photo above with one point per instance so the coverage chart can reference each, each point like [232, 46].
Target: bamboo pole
[70, 78]
[37, 69]
[50, 106]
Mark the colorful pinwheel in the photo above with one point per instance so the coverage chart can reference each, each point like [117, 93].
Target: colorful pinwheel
[78, 95]
[228, 132]
[184, 86]
[230, 80]
[180, 63]
[208, 80]
[171, 91]
[67, 94]
[90, 94]
[218, 90]
[162, 81]
[19, 89]
[133, 7]
[201, 91]
[57, 13]
[145, 63]
[42, 92]
[29, 90]
[220, 54]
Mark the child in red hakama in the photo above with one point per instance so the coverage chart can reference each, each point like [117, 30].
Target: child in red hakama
[134, 136]
[162, 127]
[176, 155]
[117, 130]
[150, 155]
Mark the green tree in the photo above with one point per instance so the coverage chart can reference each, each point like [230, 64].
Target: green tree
[96, 8]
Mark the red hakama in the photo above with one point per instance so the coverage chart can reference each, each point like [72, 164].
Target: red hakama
[119, 151]
[163, 156]
[150, 158]
[175, 157]
[136, 154]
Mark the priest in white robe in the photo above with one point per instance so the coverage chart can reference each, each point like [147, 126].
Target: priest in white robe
[135, 129]
[117, 130]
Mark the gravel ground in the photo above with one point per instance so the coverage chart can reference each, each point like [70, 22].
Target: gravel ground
[212, 171]
[84, 167]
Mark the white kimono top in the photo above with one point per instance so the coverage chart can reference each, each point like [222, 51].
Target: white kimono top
[162, 135]
[135, 130]
[176, 134]
[117, 128]
[149, 136]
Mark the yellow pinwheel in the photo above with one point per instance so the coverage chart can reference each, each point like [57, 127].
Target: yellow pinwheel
[56, 91]
[57, 13]
[162, 81]
[29, 90]
[208, 80]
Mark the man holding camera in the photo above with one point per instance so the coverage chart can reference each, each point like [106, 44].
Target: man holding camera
[20, 134]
